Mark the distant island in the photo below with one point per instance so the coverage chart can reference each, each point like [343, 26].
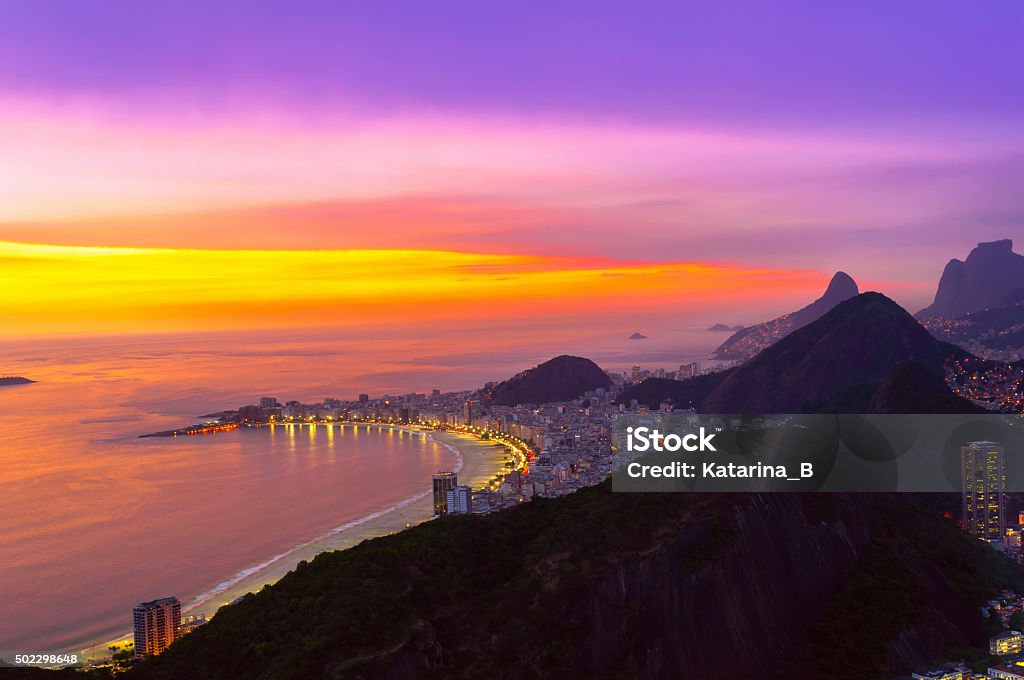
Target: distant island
[725, 327]
[638, 336]
[14, 380]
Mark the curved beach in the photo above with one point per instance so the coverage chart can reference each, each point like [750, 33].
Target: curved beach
[476, 462]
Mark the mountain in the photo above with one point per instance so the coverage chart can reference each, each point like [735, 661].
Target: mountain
[600, 584]
[560, 379]
[638, 336]
[14, 380]
[865, 355]
[859, 342]
[747, 342]
[991, 276]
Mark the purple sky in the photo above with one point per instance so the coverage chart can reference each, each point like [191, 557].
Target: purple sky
[878, 137]
[751, 64]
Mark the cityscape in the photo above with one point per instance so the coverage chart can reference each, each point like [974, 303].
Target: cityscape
[501, 341]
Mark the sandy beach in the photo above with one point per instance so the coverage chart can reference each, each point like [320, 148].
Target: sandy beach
[476, 463]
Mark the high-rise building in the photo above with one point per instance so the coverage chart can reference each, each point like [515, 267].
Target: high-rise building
[157, 624]
[688, 371]
[984, 486]
[363, 398]
[443, 482]
[460, 500]
[467, 413]
[268, 402]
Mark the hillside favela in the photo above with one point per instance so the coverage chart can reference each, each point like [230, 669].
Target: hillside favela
[505, 341]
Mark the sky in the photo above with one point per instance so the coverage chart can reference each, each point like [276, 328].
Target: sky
[592, 152]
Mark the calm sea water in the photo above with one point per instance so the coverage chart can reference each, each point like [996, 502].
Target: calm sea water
[94, 520]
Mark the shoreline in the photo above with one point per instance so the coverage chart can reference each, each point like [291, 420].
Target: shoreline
[476, 461]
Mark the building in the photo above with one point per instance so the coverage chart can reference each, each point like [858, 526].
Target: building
[467, 413]
[363, 398]
[984, 486]
[460, 500]
[1006, 673]
[443, 482]
[268, 402]
[940, 674]
[1007, 642]
[157, 624]
[688, 371]
[191, 623]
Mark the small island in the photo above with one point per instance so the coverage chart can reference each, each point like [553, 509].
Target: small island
[638, 336]
[725, 327]
[14, 380]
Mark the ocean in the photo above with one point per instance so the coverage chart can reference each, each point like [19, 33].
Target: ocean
[94, 520]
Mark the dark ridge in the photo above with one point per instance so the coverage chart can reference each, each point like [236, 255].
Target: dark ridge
[747, 342]
[859, 342]
[560, 379]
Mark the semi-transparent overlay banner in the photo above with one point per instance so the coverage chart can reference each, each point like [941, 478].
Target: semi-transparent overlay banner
[673, 451]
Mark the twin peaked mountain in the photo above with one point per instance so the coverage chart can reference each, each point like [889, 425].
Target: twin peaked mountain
[845, 352]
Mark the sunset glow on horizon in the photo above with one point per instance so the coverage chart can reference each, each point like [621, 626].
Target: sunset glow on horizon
[505, 132]
[86, 289]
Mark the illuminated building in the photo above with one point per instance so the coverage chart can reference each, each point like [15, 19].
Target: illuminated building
[443, 482]
[1007, 642]
[460, 500]
[467, 414]
[1006, 673]
[157, 624]
[941, 674]
[984, 484]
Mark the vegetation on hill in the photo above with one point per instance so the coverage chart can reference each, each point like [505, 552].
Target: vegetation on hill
[560, 379]
[506, 595]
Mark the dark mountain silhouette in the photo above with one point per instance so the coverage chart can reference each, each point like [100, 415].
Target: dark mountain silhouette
[991, 276]
[638, 336]
[859, 342]
[867, 355]
[560, 379]
[14, 380]
[747, 342]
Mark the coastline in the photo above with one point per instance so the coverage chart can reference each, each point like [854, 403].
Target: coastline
[477, 462]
